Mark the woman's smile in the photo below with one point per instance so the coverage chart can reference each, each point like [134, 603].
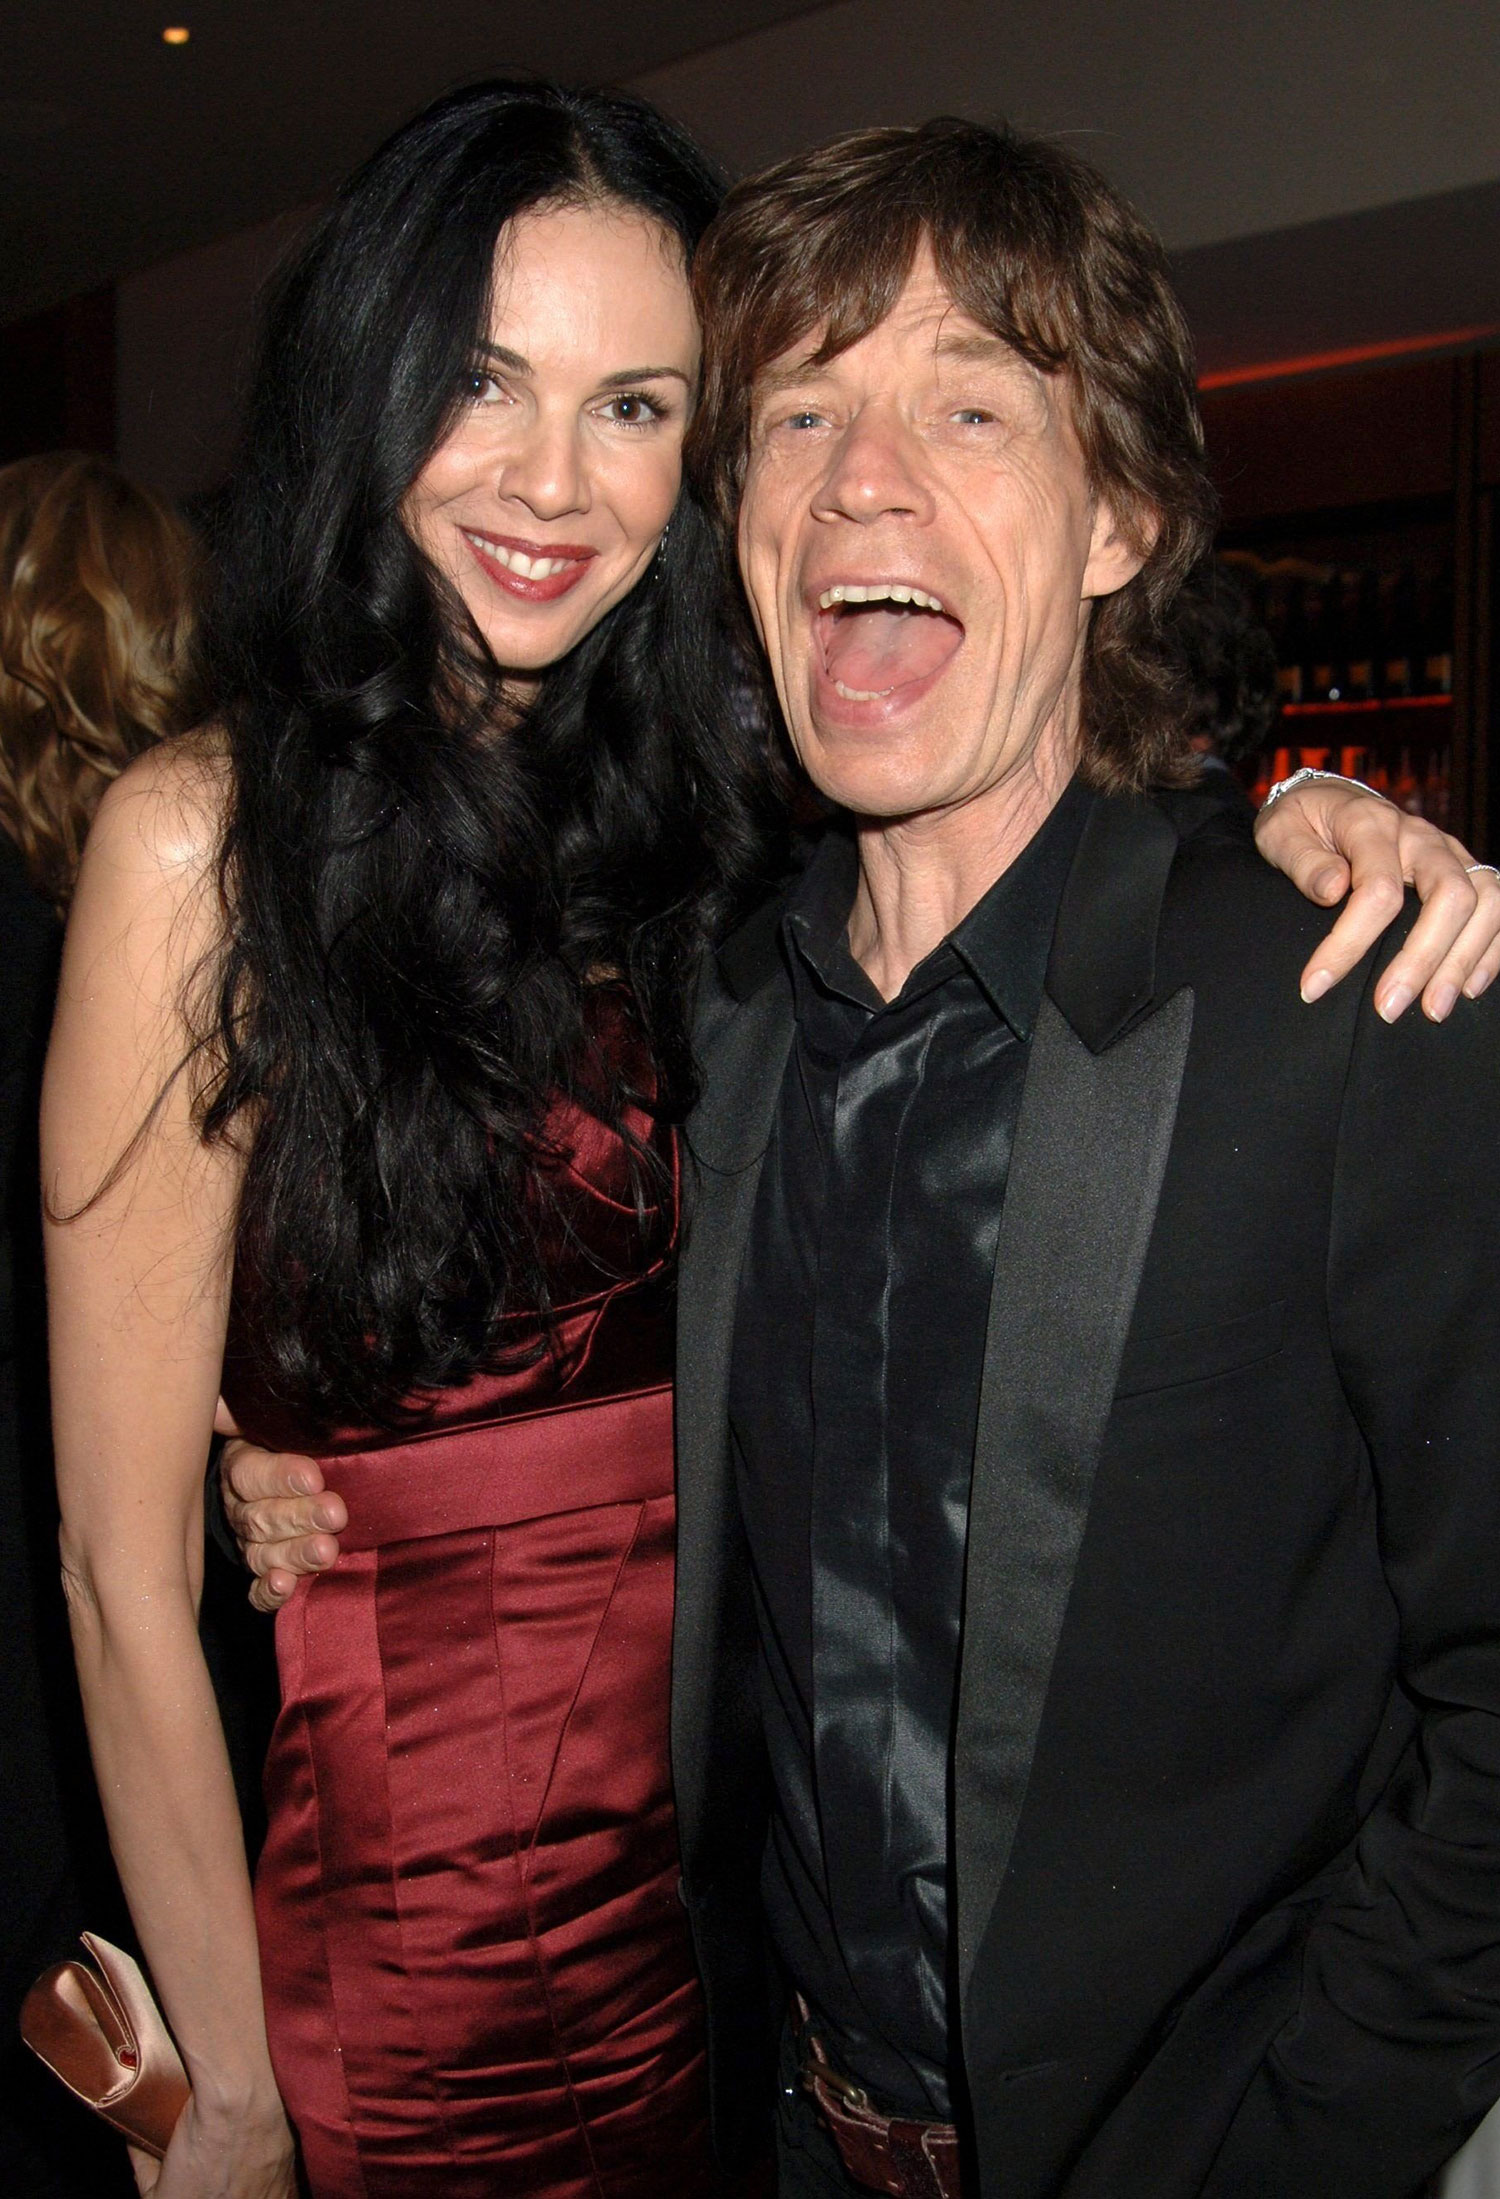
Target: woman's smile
[531, 572]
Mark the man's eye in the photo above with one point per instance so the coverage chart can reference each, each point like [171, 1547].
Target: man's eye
[973, 416]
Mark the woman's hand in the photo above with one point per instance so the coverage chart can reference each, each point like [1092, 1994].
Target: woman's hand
[215, 2156]
[1332, 837]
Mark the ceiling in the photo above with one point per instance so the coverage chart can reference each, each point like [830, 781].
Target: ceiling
[117, 150]
[1218, 118]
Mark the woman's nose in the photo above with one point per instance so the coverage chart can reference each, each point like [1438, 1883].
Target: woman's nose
[546, 472]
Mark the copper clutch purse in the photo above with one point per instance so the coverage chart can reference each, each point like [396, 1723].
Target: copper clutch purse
[101, 2032]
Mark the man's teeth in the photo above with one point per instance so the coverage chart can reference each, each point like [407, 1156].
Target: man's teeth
[878, 591]
[862, 694]
[516, 561]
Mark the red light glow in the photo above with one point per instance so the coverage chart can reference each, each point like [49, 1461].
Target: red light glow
[1316, 362]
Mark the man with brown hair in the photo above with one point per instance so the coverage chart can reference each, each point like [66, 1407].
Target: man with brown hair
[1088, 1651]
[1087, 1383]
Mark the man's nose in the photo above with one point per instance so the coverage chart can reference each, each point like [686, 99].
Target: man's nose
[875, 472]
[546, 471]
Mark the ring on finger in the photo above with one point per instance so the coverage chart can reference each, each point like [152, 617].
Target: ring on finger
[1470, 868]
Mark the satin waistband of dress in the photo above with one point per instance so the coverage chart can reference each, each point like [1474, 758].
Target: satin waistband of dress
[617, 1451]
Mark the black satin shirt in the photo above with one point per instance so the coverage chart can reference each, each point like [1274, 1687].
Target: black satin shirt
[859, 1346]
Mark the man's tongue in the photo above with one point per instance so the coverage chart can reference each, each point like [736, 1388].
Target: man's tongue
[884, 647]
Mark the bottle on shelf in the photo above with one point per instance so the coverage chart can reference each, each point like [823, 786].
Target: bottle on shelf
[1437, 789]
[1362, 625]
[1437, 653]
[1406, 789]
[1324, 659]
[1403, 637]
[1292, 645]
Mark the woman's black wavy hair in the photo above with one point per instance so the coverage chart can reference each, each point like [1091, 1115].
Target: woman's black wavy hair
[418, 890]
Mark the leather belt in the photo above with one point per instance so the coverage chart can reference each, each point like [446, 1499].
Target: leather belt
[889, 2153]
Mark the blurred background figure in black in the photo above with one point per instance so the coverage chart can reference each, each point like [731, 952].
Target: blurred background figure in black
[1230, 665]
[97, 586]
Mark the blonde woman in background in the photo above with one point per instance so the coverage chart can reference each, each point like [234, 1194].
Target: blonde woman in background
[97, 584]
[96, 591]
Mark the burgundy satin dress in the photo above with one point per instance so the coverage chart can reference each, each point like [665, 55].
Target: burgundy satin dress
[477, 1970]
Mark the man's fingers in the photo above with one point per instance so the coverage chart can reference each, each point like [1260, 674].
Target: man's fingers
[291, 1556]
[272, 1592]
[286, 1519]
[249, 1473]
[286, 1523]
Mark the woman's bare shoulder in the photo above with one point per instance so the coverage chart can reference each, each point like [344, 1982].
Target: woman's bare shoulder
[167, 810]
[148, 891]
[157, 834]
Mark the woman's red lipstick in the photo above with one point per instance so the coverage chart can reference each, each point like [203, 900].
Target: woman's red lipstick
[529, 587]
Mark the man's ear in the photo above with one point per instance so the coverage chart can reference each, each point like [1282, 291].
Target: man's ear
[1118, 551]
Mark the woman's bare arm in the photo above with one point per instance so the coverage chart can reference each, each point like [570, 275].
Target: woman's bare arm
[138, 1280]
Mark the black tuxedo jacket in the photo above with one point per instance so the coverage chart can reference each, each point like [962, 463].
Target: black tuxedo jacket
[1226, 1869]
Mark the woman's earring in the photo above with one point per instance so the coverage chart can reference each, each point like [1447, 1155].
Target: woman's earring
[662, 544]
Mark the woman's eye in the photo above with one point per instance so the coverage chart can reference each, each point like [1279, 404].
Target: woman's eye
[973, 416]
[633, 410]
[481, 388]
[803, 420]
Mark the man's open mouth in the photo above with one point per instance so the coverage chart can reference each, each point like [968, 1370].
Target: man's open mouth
[881, 635]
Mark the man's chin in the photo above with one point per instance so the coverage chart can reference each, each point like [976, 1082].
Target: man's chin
[876, 780]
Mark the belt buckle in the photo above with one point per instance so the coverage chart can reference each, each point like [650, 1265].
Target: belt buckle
[816, 2068]
[902, 2163]
[844, 2089]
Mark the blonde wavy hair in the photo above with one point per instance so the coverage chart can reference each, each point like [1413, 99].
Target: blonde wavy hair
[98, 589]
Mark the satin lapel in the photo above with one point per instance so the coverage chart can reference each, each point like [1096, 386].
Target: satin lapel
[1091, 1145]
[742, 1048]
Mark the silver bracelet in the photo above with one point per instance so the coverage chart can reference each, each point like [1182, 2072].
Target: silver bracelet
[1308, 773]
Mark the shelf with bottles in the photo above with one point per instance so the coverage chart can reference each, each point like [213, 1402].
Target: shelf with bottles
[1417, 776]
[1362, 624]
[1362, 516]
[1370, 623]
[1367, 707]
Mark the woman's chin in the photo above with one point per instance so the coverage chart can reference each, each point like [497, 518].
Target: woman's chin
[529, 643]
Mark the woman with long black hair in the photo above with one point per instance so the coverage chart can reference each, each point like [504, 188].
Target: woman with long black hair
[393, 966]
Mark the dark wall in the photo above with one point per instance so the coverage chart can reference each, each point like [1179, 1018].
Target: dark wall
[57, 379]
